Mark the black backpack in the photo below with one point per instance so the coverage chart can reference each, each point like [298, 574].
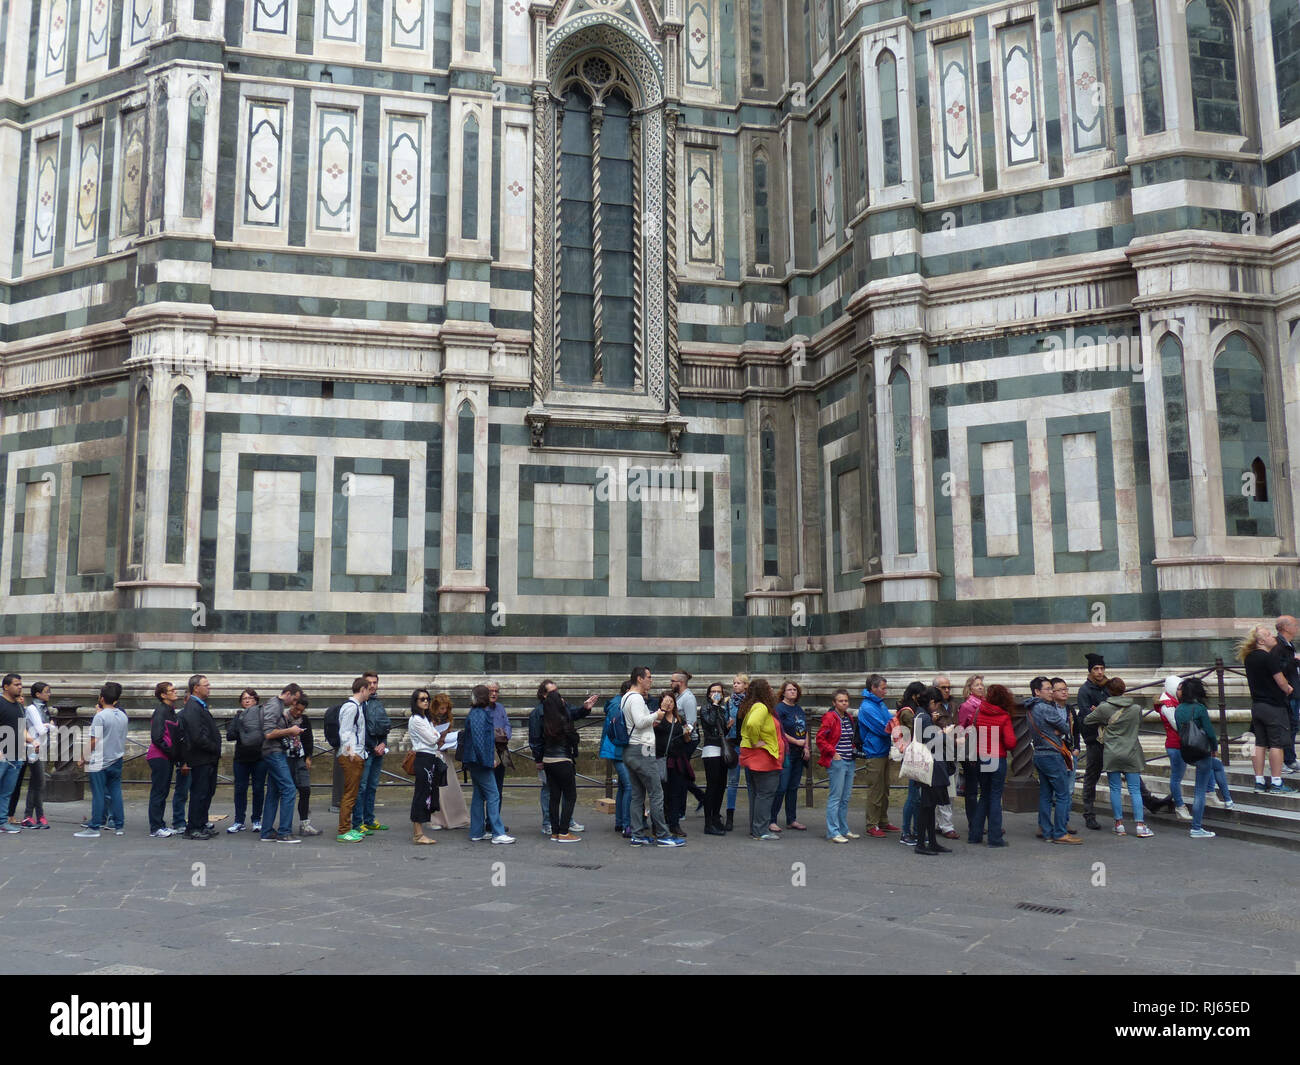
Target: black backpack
[173, 741]
[1194, 744]
[332, 736]
[378, 724]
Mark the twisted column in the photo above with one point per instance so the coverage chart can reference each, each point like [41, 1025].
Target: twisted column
[555, 244]
[597, 261]
[670, 253]
[543, 113]
[638, 237]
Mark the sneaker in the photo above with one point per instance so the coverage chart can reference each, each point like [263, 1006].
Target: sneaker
[876, 833]
[238, 826]
[546, 830]
[1214, 801]
[266, 839]
[201, 834]
[1119, 829]
[887, 827]
[351, 836]
[1070, 839]
[640, 841]
[1201, 833]
[375, 826]
[1183, 813]
[161, 833]
[10, 829]
[285, 837]
[119, 832]
[1143, 832]
[766, 837]
[85, 833]
[503, 838]
[1228, 804]
[852, 835]
[574, 826]
[41, 822]
[627, 833]
[1261, 789]
[26, 822]
[1282, 789]
[568, 837]
[1293, 770]
[672, 841]
[907, 841]
[839, 839]
[257, 826]
[308, 829]
[478, 839]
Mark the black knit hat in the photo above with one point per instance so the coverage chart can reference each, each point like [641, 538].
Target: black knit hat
[1095, 660]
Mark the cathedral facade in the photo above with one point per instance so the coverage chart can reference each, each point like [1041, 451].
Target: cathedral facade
[796, 336]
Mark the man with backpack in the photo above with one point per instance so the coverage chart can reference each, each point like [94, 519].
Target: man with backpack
[202, 753]
[377, 726]
[278, 727]
[351, 755]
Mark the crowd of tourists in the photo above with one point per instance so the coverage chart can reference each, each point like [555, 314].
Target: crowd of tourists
[947, 745]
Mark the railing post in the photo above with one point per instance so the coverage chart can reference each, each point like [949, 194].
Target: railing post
[1223, 713]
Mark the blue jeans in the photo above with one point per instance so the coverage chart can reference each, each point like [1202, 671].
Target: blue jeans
[623, 800]
[1209, 772]
[106, 796]
[484, 803]
[180, 797]
[988, 806]
[8, 781]
[840, 776]
[1177, 767]
[910, 805]
[545, 796]
[733, 783]
[787, 787]
[1054, 782]
[1134, 782]
[244, 772]
[363, 813]
[280, 789]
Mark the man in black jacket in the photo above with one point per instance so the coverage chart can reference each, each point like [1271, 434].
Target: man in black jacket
[202, 753]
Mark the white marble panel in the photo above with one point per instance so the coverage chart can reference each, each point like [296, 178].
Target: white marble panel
[38, 497]
[670, 543]
[1083, 518]
[1002, 535]
[370, 525]
[850, 505]
[92, 539]
[273, 542]
[563, 531]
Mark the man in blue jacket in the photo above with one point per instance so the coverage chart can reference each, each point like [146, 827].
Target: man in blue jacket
[873, 728]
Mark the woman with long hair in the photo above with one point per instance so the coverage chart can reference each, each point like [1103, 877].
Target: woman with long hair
[425, 741]
[929, 704]
[451, 811]
[907, 707]
[248, 766]
[972, 693]
[559, 763]
[794, 723]
[996, 738]
[674, 742]
[713, 727]
[762, 753]
[1209, 770]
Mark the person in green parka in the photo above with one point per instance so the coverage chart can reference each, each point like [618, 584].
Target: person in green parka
[1122, 760]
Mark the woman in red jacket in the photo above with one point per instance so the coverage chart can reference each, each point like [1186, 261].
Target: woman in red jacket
[997, 737]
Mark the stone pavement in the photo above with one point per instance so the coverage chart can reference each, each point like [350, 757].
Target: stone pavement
[136, 904]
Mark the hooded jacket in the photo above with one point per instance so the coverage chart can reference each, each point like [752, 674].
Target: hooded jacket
[1165, 707]
[1121, 751]
[995, 724]
[873, 725]
[1090, 695]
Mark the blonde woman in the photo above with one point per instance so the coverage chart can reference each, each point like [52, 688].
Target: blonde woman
[452, 811]
[972, 694]
[1270, 714]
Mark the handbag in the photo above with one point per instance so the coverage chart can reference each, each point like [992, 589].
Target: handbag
[729, 756]
[1063, 751]
[1194, 742]
[408, 763]
[917, 763]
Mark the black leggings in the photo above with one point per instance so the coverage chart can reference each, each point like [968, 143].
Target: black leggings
[926, 835]
[715, 786]
[564, 794]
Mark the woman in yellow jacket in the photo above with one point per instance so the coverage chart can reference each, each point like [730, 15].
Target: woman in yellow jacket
[762, 753]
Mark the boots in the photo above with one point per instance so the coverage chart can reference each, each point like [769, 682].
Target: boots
[417, 834]
[731, 821]
[714, 827]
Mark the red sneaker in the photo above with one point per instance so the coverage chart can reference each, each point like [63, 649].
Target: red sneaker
[876, 832]
[890, 828]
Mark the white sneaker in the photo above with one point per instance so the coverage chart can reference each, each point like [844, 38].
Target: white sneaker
[1214, 801]
[575, 827]
[238, 826]
[1293, 770]
[1201, 833]
[161, 833]
[87, 833]
[1184, 814]
[308, 829]
[503, 839]
[257, 826]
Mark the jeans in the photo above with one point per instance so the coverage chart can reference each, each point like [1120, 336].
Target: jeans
[244, 772]
[302, 782]
[644, 782]
[180, 797]
[106, 796]
[35, 774]
[971, 776]
[363, 813]
[1177, 767]
[160, 779]
[624, 795]
[1209, 772]
[988, 806]
[280, 789]
[544, 797]
[1053, 793]
[564, 795]
[733, 782]
[840, 775]
[787, 787]
[762, 790]
[909, 808]
[1134, 782]
[203, 784]
[484, 803]
[8, 781]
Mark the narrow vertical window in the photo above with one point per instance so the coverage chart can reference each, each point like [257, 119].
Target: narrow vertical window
[1243, 438]
[1148, 51]
[195, 124]
[465, 487]
[757, 51]
[473, 25]
[762, 212]
[767, 472]
[139, 478]
[1285, 20]
[900, 391]
[158, 161]
[178, 476]
[618, 232]
[1177, 443]
[469, 179]
[1212, 60]
[577, 338]
[887, 77]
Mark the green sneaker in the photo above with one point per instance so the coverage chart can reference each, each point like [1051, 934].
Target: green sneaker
[352, 836]
[375, 826]
[363, 831]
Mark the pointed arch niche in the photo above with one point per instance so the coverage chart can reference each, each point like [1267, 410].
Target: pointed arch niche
[604, 285]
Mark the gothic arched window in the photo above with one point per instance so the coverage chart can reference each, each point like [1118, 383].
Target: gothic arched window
[1212, 60]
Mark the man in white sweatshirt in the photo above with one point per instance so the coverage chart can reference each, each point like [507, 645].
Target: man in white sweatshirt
[642, 766]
